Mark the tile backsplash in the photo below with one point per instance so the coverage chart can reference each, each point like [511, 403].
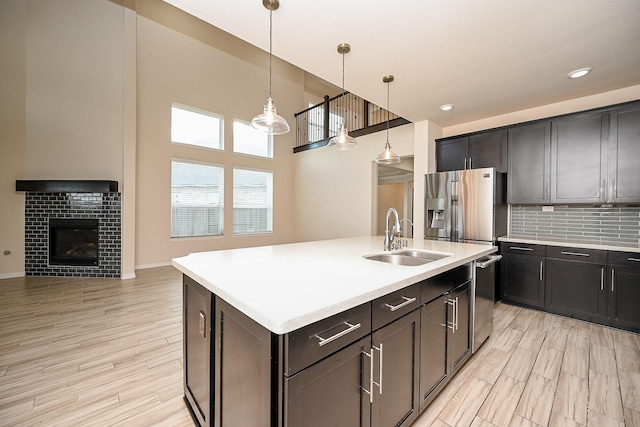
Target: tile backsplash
[617, 225]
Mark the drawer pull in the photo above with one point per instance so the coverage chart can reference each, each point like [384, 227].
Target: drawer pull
[202, 324]
[518, 248]
[324, 341]
[574, 253]
[406, 301]
[634, 259]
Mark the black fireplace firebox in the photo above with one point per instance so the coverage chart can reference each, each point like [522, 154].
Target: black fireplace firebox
[73, 241]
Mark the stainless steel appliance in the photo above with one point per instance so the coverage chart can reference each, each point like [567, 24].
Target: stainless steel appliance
[470, 206]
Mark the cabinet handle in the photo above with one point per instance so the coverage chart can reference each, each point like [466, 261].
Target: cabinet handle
[370, 391]
[614, 193]
[545, 192]
[634, 259]
[457, 312]
[602, 279]
[574, 253]
[406, 301]
[202, 324]
[602, 187]
[541, 271]
[470, 163]
[613, 279]
[465, 163]
[379, 384]
[452, 303]
[324, 341]
[518, 248]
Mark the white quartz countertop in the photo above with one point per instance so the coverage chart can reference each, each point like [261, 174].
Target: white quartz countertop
[286, 287]
[569, 244]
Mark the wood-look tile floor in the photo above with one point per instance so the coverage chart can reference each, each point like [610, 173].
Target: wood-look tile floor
[104, 352]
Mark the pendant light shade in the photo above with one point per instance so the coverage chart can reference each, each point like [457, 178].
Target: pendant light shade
[387, 157]
[343, 141]
[269, 121]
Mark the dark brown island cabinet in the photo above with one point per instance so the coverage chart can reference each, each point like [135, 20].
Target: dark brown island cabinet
[378, 364]
[594, 285]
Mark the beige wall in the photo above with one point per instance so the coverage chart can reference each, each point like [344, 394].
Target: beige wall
[75, 90]
[184, 61]
[61, 104]
[336, 191]
[631, 93]
[13, 15]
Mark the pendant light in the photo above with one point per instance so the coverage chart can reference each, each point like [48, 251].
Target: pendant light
[269, 121]
[388, 157]
[343, 141]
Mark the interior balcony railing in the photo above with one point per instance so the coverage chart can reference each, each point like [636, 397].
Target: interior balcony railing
[319, 123]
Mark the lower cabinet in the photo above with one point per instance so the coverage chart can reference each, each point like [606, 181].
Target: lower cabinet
[522, 278]
[197, 350]
[593, 285]
[575, 283]
[375, 365]
[445, 340]
[624, 290]
[330, 393]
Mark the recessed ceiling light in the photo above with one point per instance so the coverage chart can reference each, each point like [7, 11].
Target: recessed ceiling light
[579, 72]
[446, 107]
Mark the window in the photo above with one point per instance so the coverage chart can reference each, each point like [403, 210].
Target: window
[196, 127]
[252, 201]
[197, 199]
[248, 140]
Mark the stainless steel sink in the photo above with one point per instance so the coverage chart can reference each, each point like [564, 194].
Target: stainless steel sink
[407, 257]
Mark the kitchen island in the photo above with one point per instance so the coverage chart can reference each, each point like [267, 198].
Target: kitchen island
[278, 335]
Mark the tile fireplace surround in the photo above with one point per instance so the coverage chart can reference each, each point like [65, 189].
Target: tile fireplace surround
[43, 203]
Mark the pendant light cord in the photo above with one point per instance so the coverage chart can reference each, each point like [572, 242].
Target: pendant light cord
[388, 112]
[270, 41]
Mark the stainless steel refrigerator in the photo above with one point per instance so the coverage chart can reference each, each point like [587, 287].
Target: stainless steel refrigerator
[470, 206]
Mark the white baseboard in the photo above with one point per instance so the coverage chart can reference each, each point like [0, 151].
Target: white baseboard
[145, 266]
[12, 275]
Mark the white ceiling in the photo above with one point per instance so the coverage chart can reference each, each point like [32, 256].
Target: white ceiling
[486, 57]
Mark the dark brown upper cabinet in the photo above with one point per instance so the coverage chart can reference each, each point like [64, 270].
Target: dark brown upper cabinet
[481, 150]
[624, 155]
[579, 146]
[529, 150]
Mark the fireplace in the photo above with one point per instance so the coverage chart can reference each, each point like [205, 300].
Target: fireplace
[73, 241]
[72, 228]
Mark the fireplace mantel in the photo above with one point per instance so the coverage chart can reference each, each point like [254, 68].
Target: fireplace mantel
[67, 186]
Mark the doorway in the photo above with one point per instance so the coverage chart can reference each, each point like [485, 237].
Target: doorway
[395, 189]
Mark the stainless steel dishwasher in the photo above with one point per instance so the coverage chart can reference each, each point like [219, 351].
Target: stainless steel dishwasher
[483, 293]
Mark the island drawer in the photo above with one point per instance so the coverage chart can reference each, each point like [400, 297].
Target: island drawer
[433, 287]
[314, 342]
[393, 306]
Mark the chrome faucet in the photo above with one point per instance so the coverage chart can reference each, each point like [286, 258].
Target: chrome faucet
[389, 234]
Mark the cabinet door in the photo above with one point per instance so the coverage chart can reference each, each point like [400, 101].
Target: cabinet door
[434, 371]
[459, 337]
[451, 154]
[529, 148]
[624, 290]
[575, 289]
[395, 400]
[579, 158]
[624, 298]
[243, 367]
[488, 150]
[624, 155]
[522, 279]
[198, 372]
[330, 393]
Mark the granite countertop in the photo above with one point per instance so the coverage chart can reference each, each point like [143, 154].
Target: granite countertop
[286, 287]
[568, 244]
